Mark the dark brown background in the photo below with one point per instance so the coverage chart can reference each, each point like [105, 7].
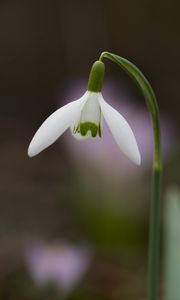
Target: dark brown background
[43, 45]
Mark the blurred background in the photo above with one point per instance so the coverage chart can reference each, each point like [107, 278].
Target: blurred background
[74, 220]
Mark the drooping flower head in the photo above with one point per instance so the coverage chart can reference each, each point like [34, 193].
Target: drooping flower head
[85, 117]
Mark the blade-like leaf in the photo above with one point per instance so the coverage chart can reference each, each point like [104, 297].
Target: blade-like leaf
[172, 244]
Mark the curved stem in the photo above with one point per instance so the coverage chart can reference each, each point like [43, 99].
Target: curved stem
[154, 228]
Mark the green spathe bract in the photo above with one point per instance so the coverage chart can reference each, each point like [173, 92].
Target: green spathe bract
[96, 77]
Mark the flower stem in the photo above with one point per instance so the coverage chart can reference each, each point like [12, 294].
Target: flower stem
[154, 236]
[154, 226]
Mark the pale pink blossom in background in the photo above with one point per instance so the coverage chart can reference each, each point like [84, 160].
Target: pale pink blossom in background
[103, 152]
[61, 263]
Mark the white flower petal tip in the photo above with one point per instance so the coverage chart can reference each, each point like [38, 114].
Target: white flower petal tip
[30, 151]
[121, 132]
[55, 125]
[137, 158]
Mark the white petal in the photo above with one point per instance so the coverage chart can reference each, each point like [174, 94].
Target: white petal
[55, 125]
[91, 112]
[121, 131]
[80, 137]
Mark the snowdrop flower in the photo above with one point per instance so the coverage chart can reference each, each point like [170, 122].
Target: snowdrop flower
[85, 119]
[96, 152]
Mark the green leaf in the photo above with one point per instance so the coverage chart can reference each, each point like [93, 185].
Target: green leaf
[172, 244]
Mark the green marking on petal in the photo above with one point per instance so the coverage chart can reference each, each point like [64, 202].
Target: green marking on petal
[85, 127]
[99, 131]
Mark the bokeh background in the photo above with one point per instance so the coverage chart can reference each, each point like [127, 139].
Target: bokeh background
[74, 220]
